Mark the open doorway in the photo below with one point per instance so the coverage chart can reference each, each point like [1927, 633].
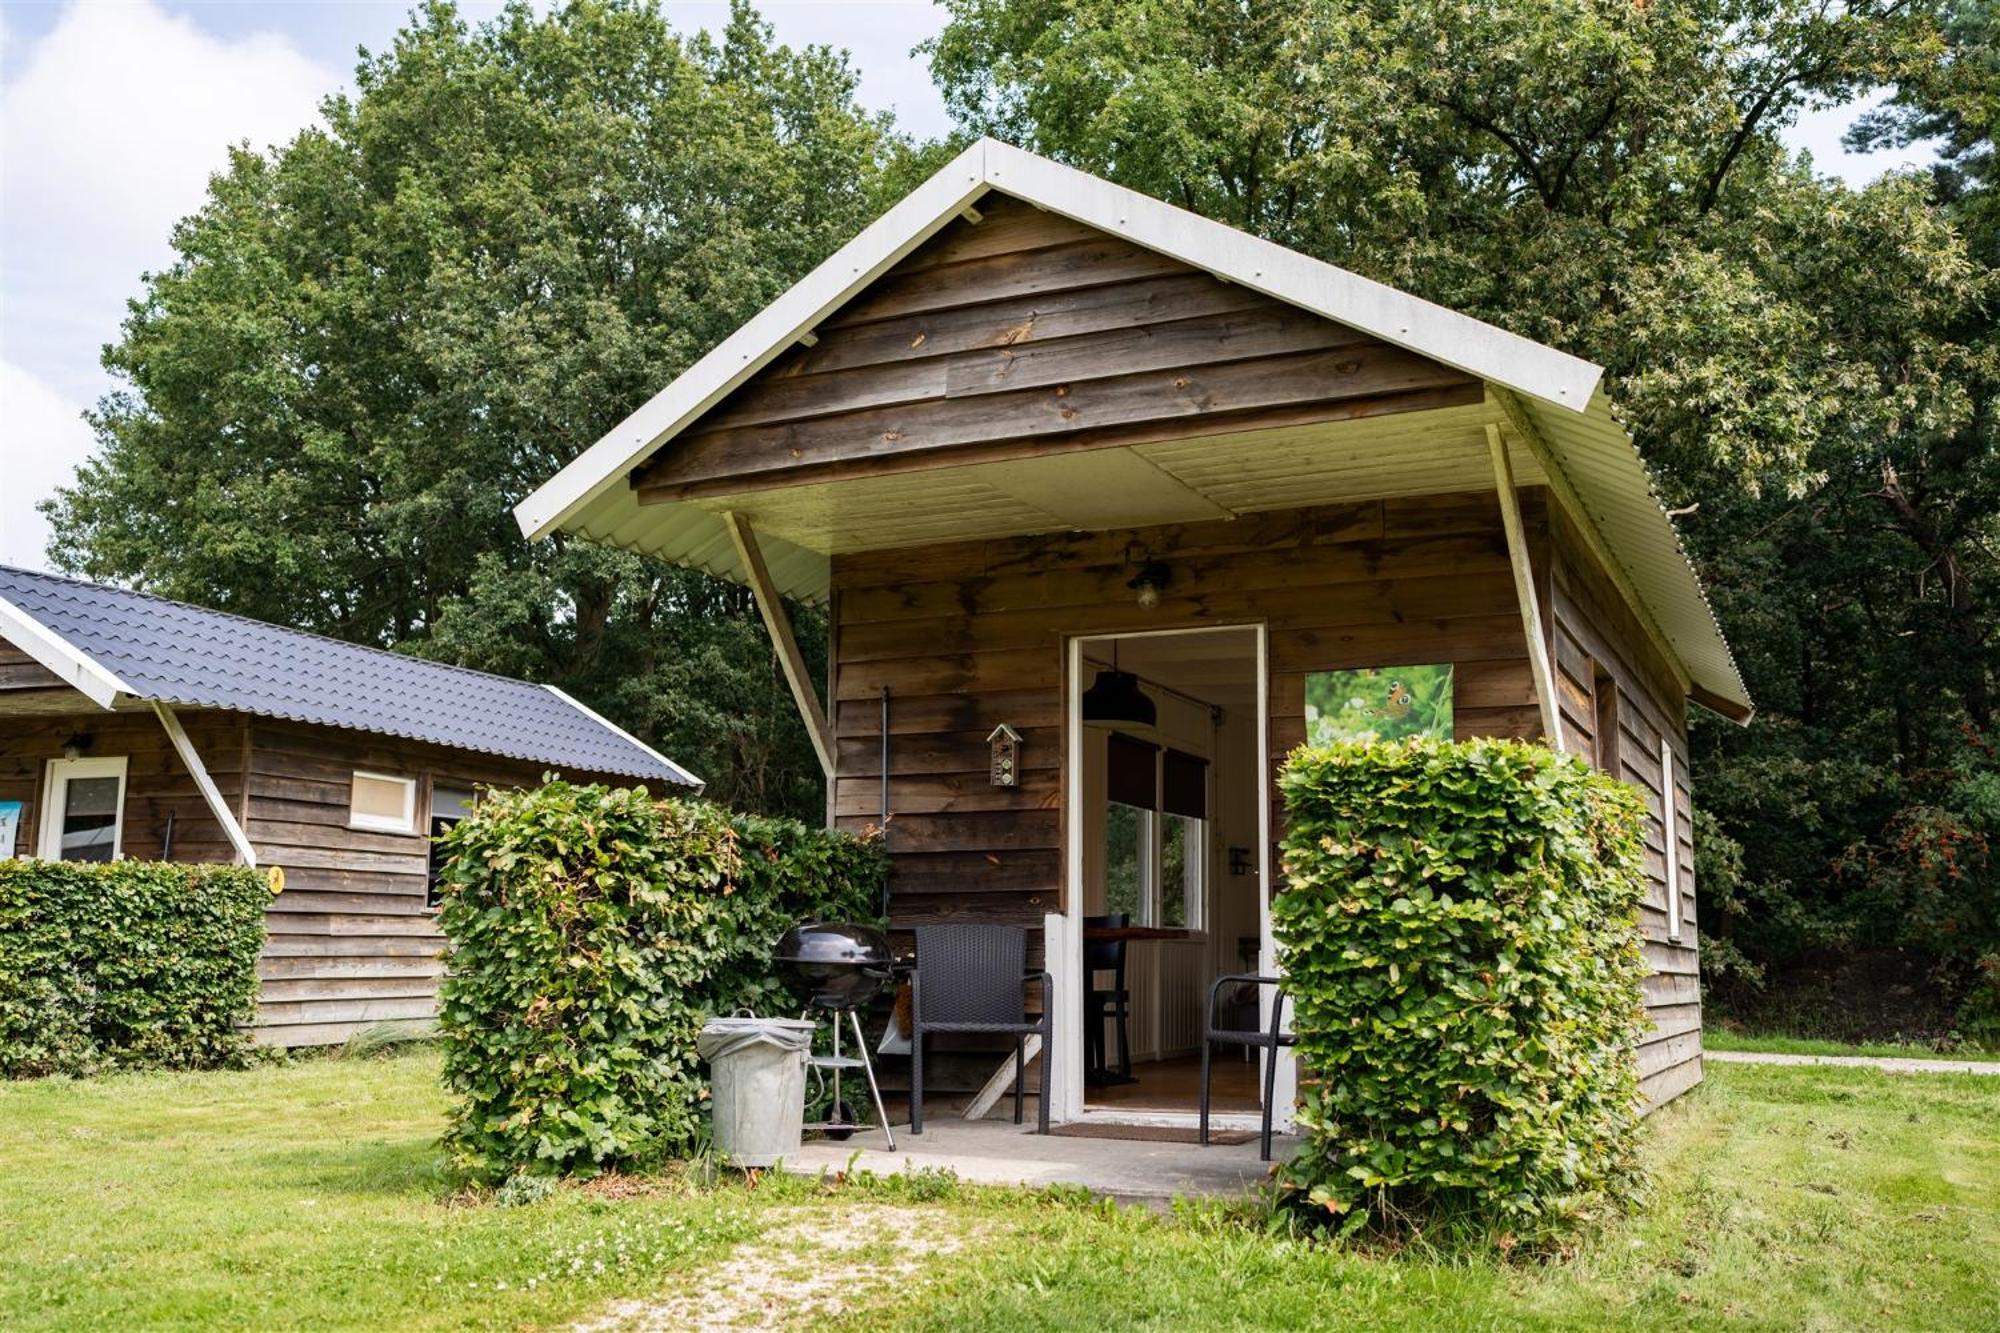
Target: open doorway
[1167, 825]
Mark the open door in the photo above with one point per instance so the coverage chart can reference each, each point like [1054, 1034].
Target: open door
[1167, 833]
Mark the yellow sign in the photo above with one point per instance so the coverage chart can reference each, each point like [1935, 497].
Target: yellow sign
[277, 876]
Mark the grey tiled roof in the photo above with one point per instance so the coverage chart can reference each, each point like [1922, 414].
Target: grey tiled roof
[191, 656]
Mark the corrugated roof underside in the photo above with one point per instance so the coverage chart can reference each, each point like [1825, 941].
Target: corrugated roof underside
[1598, 456]
[193, 657]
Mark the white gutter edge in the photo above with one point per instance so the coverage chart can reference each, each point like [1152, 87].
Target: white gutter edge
[209, 793]
[76, 668]
[625, 735]
[1478, 348]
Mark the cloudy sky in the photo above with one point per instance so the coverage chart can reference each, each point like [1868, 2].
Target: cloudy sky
[113, 112]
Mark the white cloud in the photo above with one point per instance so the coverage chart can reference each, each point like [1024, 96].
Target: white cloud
[46, 438]
[110, 126]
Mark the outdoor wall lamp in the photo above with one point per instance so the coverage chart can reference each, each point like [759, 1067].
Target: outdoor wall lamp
[1149, 583]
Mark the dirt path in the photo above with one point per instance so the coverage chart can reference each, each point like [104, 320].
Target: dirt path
[810, 1262]
[1889, 1064]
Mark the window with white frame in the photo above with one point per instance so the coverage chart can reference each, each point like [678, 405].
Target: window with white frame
[84, 815]
[383, 802]
[1155, 834]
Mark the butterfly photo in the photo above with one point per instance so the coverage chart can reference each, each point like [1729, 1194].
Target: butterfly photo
[1379, 703]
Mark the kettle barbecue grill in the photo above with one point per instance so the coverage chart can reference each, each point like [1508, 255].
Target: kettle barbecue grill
[841, 967]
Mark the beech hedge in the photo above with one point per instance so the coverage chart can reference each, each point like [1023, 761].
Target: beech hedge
[1461, 942]
[126, 964]
[592, 931]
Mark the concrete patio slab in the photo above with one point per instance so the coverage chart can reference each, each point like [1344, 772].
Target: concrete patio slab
[1888, 1064]
[998, 1152]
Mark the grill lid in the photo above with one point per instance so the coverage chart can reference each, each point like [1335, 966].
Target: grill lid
[835, 944]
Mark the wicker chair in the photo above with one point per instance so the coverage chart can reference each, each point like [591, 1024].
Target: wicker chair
[972, 979]
[1268, 1039]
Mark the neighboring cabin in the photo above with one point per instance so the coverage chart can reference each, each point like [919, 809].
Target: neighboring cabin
[139, 727]
[1039, 443]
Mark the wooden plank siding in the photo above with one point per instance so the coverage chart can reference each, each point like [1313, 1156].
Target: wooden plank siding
[157, 785]
[351, 941]
[1027, 334]
[969, 635]
[1618, 700]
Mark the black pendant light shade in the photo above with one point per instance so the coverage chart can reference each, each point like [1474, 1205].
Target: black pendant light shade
[1115, 696]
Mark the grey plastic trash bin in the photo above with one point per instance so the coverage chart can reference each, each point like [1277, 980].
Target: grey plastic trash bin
[757, 1072]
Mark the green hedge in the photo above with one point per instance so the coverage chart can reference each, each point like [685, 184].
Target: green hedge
[1460, 933]
[592, 931]
[126, 964]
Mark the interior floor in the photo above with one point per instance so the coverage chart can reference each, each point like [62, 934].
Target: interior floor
[1175, 1085]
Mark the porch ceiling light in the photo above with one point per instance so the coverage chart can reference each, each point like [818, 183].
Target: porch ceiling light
[1149, 583]
[1115, 696]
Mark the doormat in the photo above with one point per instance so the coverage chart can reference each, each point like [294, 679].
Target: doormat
[1217, 1138]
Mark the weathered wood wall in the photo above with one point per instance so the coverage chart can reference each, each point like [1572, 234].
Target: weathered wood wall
[1618, 699]
[351, 941]
[1028, 334]
[157, 785]
[969, 635]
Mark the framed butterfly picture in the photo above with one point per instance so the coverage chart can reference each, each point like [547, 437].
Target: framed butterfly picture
[1379, 704]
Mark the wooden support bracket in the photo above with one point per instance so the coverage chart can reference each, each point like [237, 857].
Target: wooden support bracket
[772, 608]
[216, 805]
[1524, 587]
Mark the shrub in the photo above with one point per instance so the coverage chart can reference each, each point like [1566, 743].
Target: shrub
[1461, 941]
[592, 932]
[126, 964]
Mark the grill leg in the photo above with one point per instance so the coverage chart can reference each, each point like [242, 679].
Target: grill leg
[868, 1068]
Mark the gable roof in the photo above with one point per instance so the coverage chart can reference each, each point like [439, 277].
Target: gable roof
[1559, 397]
[113, 644]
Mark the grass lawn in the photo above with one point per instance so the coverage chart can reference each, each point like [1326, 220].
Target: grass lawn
[1718, 1040]
[309, 1195]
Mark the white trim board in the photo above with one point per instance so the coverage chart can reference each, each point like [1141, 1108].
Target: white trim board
[624, 735]
[1562, 401]
[76, 668]
[1420, 326]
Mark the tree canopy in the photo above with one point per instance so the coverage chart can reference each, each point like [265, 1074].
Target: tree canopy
[380, 336]
[1809, 367]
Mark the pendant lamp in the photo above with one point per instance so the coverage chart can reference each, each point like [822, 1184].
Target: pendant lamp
[1115, 696]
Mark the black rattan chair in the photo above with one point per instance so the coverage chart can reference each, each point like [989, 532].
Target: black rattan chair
[1098, 1005]
[1269, 1039]
[972, 979]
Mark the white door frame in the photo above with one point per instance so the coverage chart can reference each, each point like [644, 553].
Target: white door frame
[1064, 930]
[55, 798]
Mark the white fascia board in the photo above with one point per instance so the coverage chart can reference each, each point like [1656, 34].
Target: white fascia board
[76, 668]
[625, 736]
[881, 244]
[1467, 344]
[1417, 325]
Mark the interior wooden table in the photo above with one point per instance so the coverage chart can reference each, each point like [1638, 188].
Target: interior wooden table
[1136, 933]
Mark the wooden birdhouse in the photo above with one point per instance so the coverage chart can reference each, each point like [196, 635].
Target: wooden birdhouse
[1005, 769]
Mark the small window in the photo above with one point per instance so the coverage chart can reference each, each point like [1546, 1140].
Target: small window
[84, 819]
[448, 806]
[381, 801]
[1605, 688]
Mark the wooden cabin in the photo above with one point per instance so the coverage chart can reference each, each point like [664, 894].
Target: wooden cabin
[1040, 444]
[133, 726]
